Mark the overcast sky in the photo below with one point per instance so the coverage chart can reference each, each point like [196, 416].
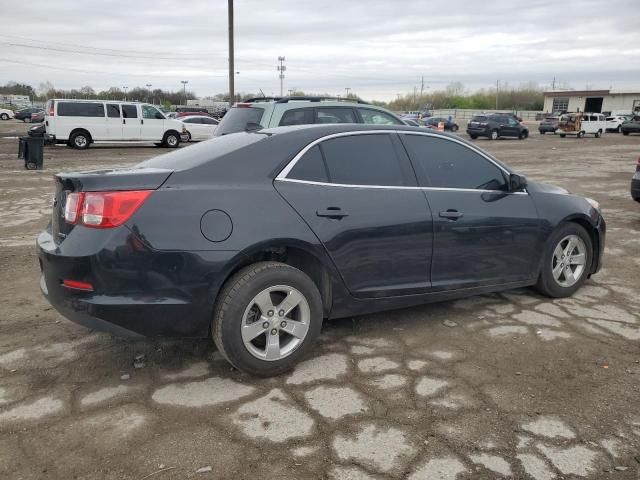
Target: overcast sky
[378, 48]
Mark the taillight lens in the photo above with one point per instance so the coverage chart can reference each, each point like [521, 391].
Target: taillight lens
[638, 165]
[104, 209]
[51, 107]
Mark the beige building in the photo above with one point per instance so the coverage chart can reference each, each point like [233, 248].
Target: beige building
[606, 101]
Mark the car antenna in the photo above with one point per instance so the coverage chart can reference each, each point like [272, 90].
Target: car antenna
[263, 95]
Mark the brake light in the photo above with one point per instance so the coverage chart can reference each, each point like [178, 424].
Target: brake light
[638, 165]
[76, 285]
[103, 209]
[51, 107]
[243, 105]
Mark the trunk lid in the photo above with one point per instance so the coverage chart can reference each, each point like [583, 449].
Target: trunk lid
[99, 181]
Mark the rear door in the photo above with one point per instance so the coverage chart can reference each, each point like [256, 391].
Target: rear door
[335, 115]
[358, 194]
[130, 122]
[483, 234]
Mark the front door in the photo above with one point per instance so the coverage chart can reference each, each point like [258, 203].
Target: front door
[483, 234]
[359, 196]
[151, 124]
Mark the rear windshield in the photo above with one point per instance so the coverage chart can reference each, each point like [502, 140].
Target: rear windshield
[479, 118]
[238, 119]
[204, 152]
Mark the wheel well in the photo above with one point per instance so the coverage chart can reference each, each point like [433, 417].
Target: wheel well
[297, 258]
[592, 234]
[170, 131]
[77, 130]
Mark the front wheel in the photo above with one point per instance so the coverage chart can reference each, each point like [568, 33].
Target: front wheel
[267, 318]
[80, 140]
[523, 135]
[598, 134]
[625, 133]
[171, 140]
[26, 120]
[562, 135]
[4, 116]
[454, 128]
[580, 134]
[473, 137]
[566, 261]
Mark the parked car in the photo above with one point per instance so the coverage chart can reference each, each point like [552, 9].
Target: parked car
[171, 115]
[614, 123]
[24, 114]
[200, 127]
[411, 122]
[496, 125]
[37, 117]
[191, 114]
[287, 111]
[581, 124]
[79, 123]
[273, 231]
[6, 114]
[548, 124]
[192, 109]
[635, 183]
[631, 126]
[433, 122]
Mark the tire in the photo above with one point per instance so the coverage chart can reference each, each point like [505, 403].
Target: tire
[580, 134]
[523, 135]
[494, 135]
[619, 129]
[80, 140]
[473, 137]
[542, 132]
[171, 139]
[30, 166]
[548, 283]
[562, 135]
[4, 116]
[26, 120]
[598, 134]
[236, 305]
[625, 133]
[454, 128]
[189, 134]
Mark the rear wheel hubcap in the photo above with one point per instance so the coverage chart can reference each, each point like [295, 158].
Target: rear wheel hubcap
[273, 337]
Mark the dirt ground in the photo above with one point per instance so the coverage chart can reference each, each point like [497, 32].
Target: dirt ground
[509, 385]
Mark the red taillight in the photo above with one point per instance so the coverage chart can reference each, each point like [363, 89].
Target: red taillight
[76, 285]
[638, 165]
[103, 209]
[51, 107]
[243, 105]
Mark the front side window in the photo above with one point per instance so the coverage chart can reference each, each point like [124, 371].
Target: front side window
[376, 117]
[310, 167]
[335, 115]
[151, 112]
[191, 120]
[299, 116]
[129, 111]
[513, 122]
[80, 109]
[363, 160]
[209, 121]
[444, 163]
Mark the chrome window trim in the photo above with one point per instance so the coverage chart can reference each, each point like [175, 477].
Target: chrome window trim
[282, 176]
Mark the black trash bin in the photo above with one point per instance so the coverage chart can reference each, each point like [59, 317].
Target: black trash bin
[31, 149]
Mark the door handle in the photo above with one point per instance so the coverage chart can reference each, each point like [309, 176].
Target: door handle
[141, 122]
[332, 212]
[451, 214]
[124, 121]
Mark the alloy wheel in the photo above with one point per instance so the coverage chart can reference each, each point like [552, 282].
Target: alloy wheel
[275, 323]
[569, 260]
[80, 141]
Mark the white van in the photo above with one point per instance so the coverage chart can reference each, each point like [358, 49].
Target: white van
[581, 124]
[79, 123]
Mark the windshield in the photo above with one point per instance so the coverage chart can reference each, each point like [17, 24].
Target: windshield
[238, 119]
[479, 118]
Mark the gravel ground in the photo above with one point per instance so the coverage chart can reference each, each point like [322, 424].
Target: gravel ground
[509, 385]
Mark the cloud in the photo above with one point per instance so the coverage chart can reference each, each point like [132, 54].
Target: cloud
[378, 48]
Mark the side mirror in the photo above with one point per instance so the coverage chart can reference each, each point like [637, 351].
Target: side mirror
[517, 183]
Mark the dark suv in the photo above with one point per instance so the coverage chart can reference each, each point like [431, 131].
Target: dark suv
[549, 124]
[495, 126]
[255, 238]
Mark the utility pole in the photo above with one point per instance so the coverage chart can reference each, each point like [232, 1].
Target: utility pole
[347, 90]
[125, 93]
[184, 89]
[148, 91]
[553, 84]
[497, 89]
[281, 68]
[422, 86]
[232, 93]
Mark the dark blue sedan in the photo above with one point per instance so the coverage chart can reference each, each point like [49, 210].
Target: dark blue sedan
[255, 238]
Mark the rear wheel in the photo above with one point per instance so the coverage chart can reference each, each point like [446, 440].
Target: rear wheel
[4, 116]
[580, 134]
[473, 137]
[566, 261]
[267, 317]
[598, 134]
[542, 132]
[80, 140]
[494, 135]
[454, 128]
[625, 133]
[562, 135]
[524, 134]
[26, 120]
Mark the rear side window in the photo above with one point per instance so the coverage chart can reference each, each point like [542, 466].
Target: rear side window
[209, 121]
[310, 167]
[299, 116]
[129, 111]
[191, 120]
[447, 164]
[363, 160]
[238, 119]
[376, 117]
[80, 109]
[113, 110]
[335, 115]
